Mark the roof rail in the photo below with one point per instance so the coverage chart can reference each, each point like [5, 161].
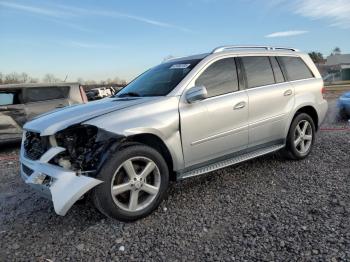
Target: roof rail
[231, 47]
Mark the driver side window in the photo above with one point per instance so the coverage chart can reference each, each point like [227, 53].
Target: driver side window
[219, 78]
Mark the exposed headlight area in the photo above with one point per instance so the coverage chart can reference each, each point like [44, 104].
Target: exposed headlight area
[35, 145]
[84, 146]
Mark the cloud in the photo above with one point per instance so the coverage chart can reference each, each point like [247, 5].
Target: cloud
[286, 33]
[336, 11]
[90, 45]
[36, 10]
[115, 14]
[64, 11]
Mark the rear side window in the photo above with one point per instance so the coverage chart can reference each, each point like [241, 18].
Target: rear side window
[277, 70]
[295, 68]
[10, 98]
[258, 71]
[36, 94]
[220, 77]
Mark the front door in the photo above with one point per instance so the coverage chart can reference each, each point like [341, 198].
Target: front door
[217, 125]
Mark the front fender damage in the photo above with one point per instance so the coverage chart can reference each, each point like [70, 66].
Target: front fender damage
[67, 171]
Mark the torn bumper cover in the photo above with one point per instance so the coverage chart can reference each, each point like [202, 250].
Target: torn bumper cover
[64, 187]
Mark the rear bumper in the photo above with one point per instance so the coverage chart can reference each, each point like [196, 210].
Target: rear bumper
[63, 187]
[322, 111]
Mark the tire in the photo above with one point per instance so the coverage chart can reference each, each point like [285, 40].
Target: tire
[296, 140]
[343, 115]
[130, 182]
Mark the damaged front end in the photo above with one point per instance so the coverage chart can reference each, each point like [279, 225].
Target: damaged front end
[63, 166]
[85, 147]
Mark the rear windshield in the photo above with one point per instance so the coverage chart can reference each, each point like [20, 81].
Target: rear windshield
[36, 94]
[160, 80]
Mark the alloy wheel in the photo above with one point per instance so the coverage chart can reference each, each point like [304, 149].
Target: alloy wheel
[135, 184]
[303, 136]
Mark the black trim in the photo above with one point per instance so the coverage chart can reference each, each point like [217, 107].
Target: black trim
[242, 75]
[284, 72]
[283, 68]
[229, 156]
[273, 71]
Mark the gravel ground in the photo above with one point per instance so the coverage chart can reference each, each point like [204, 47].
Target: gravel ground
[265, 209]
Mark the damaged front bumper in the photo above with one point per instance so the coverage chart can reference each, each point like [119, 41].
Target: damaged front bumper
[64, 187]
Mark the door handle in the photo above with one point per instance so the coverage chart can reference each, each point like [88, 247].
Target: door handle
[288, 92]
[60, 106]
[239, 105]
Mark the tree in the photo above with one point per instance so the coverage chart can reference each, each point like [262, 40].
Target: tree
[1, 77]
[50, 78]
[12, 78]
[317, 57]
[23, 78]
[33, 80]
[336, 51]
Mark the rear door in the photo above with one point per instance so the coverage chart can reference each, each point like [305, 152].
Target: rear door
[12, 114]
[271, 99]
[39, 100]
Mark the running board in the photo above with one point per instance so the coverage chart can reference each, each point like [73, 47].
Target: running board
[229, 162]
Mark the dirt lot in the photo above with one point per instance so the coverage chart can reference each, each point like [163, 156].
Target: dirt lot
[264, 209]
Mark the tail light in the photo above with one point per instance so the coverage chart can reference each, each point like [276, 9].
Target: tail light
[83, 95]
[323, 91]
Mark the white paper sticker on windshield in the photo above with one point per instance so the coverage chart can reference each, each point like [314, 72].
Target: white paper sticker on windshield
[180, 66]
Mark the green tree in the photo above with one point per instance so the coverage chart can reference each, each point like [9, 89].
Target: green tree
[317, 57]
[336, 51]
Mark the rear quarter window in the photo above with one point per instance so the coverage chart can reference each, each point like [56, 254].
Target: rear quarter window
[37, 94]
[295, 68]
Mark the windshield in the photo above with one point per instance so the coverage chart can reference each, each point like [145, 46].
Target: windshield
[160, 80]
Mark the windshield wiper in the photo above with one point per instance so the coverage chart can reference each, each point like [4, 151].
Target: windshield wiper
[129, 94]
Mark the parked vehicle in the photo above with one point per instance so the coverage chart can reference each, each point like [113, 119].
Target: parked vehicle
[100, 92]
[344, 105]
[22, 102]
[180, 119]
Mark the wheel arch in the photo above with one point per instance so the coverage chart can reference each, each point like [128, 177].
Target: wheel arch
[158, 144]
[311, 111]
[307, 109]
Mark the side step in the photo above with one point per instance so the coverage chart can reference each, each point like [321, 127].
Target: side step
[229, 162]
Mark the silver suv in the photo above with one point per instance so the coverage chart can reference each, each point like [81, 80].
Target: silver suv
[182, 118]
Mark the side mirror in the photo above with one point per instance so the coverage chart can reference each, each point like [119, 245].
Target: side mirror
[196, 93]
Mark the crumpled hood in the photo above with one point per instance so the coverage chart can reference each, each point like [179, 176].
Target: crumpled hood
[50, 123]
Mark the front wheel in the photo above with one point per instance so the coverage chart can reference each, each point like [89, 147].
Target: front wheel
[135, 182]
[301, 137]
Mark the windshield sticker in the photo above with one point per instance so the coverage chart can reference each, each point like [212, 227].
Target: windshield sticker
[179, 66]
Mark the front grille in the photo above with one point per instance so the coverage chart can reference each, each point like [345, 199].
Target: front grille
[35, 145]
[28, 171]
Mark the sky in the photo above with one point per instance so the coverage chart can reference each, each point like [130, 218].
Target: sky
[96, 40]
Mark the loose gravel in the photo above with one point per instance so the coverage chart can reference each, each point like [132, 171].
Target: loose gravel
[264, 209]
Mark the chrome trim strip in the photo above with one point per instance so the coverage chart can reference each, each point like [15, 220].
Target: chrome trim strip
[266, 119]
[223, 134]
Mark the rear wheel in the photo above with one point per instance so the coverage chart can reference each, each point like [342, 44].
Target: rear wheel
[135, 182]
[301, 137]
